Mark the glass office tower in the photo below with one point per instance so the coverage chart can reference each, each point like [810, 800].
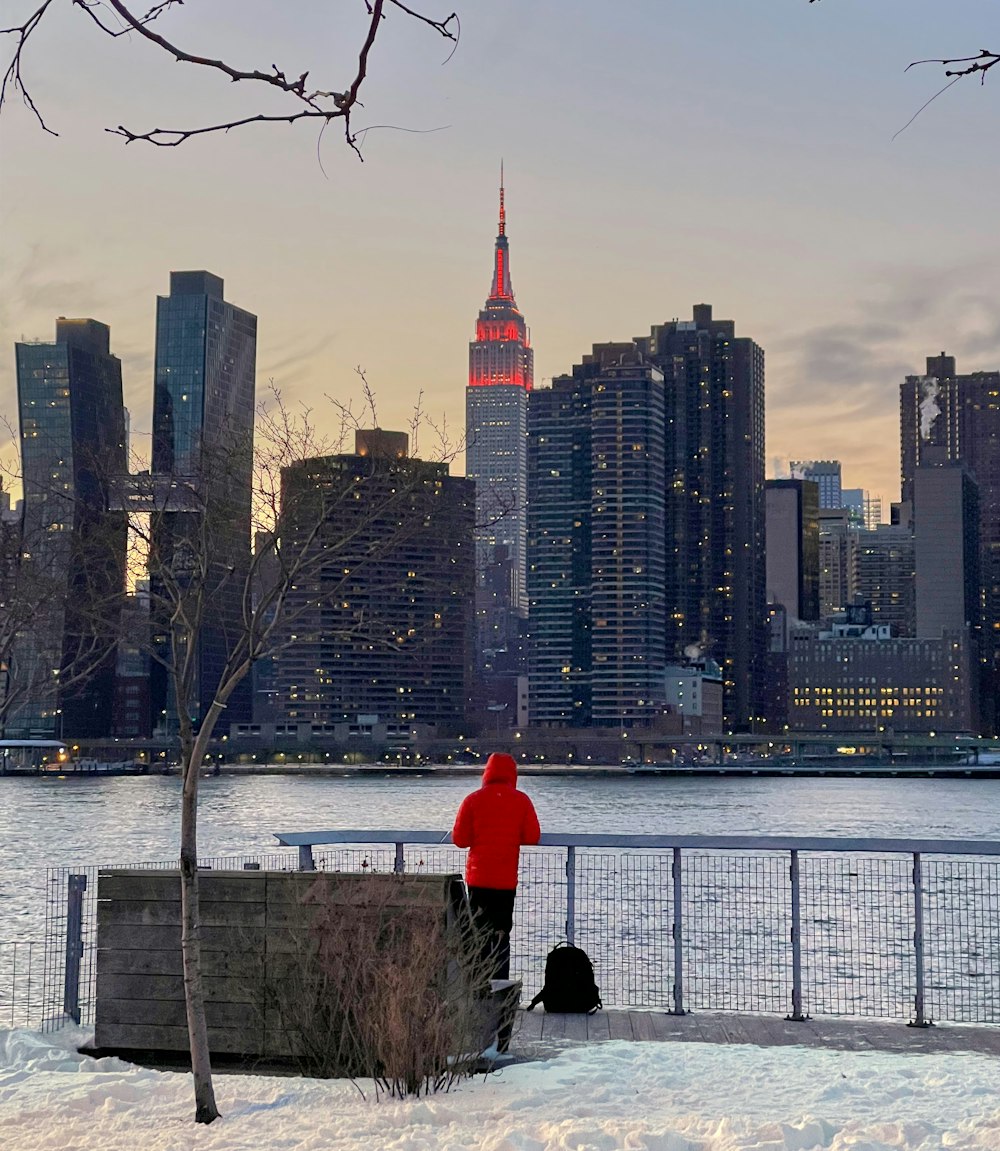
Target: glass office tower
[203, 417]
[72, 426]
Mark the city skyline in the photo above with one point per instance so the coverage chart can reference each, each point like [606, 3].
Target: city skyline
[851, 257]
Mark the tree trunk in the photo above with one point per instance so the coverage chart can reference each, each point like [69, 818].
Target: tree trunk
[194, 991]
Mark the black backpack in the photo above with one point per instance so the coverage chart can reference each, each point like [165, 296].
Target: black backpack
[569, 982]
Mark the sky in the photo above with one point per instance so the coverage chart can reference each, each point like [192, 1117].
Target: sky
[612, 1096]
[658, 154]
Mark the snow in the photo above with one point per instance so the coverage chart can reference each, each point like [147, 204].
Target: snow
[600, 1097]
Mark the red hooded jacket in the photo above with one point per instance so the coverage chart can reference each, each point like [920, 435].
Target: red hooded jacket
[493, 822]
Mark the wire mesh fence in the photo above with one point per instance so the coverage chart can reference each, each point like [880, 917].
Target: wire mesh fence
[21, 991]
[962, 939]
[727, 943]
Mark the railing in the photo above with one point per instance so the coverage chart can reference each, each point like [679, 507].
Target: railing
[904, 929]
[886, 927]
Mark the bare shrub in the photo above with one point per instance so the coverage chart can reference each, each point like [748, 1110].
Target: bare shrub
[384, 983]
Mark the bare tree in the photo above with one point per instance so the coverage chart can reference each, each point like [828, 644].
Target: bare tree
[206, 590]
[118, 18]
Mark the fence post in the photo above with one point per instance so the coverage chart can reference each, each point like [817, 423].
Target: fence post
[399, 864]
[919, 1019]
[77, 885]
[306, 861]
[570, 894]
[678, 934]
[793, 875]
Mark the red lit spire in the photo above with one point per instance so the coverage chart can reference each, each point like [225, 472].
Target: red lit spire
[501, 289]
[501, 353]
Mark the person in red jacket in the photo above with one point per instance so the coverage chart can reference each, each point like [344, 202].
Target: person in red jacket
[493, 823]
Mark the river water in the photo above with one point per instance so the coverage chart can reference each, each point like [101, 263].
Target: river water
[46, 822]
[857, 911]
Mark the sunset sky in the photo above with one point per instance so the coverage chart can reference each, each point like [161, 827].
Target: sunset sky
[658, 153]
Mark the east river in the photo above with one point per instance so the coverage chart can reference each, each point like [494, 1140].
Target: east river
[46, 822]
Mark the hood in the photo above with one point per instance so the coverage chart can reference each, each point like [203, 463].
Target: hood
[500, 768]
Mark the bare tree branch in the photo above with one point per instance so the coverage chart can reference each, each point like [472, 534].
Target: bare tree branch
[979, 64]
[975, 64]
[13, 79]
[322, 105]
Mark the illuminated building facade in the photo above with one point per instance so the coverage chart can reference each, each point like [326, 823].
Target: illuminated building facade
[859, 678]
[948, 418]
[884, 576]
[596, 544]
[679, 456]
[378, 628]
[838, 560]
[501, 375]
[715, 515]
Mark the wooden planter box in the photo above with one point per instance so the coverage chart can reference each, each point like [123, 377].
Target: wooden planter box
[261, 935]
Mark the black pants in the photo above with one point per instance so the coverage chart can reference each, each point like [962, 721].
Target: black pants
[493, 916]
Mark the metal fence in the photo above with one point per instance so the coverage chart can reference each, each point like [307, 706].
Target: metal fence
[21, 987]
[906, 930]
[897, 929]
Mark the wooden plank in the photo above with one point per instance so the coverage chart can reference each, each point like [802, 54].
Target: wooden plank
[116, 985]
[710, 1028]
[642, 1026]
[576, 1027]
[244, 964]
[137, 938]
[352, 888]
[528, 1026]
[284, 1044]
[164, 913]
[139, 1037]
[787, 1032]
[670, 1027]
[171, 1013]
[213, 886]
[759, 1030]
[737, 1028]
[598, 1027]
[620, 1025]
[553, 1025]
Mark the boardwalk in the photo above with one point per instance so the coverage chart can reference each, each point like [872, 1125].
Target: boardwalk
[537, 1033]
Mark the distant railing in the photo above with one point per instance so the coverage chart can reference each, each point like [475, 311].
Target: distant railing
[891, 928]
[885, 927]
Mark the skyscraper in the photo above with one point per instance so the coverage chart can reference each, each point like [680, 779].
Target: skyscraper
[596, 578]
[72, 448]
[716, 566]
[501, 374]
[946, 417]
[946, 552]
[793, 546]
[686, 402]
[203, 418]
[884, 576]
[826, 474]
[381, 610]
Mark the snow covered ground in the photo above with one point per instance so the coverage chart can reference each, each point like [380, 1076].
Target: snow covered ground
[602, 1097]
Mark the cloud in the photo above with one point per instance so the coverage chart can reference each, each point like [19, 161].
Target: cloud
[833, 388]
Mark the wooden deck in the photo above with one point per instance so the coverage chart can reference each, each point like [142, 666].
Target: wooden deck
[536, 1032]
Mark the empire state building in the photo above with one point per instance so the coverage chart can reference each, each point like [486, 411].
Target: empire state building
[501, 372]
